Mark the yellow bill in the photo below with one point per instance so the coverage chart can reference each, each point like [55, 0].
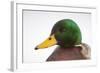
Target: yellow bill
[47, 43]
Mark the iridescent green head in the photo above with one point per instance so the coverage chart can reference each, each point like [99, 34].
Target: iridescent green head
[67, 33]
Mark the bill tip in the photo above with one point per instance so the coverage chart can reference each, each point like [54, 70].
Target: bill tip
[36, 48]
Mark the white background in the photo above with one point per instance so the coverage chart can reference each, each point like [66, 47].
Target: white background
[5, 35]
[37, 27]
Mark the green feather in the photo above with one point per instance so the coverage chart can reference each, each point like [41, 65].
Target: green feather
[67, 33]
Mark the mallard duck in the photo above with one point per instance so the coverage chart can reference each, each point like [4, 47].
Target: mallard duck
[67, 35]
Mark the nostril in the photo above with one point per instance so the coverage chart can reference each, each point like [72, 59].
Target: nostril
[49, 38]
[36, 48]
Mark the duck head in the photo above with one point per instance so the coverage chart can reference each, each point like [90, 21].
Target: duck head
[64, 33]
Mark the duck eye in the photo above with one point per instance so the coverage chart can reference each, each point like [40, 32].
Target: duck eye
[62, 30]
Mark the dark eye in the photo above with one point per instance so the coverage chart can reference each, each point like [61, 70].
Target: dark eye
[62, 29]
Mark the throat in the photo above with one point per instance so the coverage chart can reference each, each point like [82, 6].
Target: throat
[70, 48]
[67, 47]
